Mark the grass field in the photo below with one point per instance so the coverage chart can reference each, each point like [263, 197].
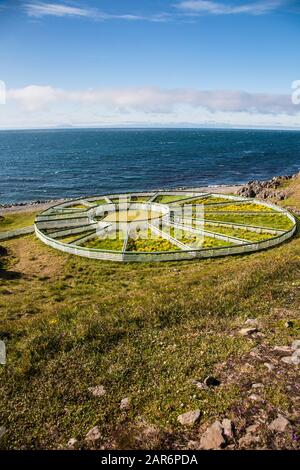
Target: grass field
[251, 207]
[13, 221]
[238, 233]
[276, 221]
[145, 332]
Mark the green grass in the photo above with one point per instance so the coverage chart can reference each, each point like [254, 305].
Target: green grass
[15, 220]
[140, 198]
[99, 202]
[194, 240]
[151, 243]
[78, 206]
[143, 331]
[207, 200]
[276, 221]
[238, 233]
[164, 199]
[252, 207]
[105, 244]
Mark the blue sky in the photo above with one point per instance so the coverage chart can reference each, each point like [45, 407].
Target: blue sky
[158, 62]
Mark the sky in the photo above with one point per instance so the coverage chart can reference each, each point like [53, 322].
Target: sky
[149, 63]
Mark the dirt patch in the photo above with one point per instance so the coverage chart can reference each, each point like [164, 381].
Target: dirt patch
[30, 257]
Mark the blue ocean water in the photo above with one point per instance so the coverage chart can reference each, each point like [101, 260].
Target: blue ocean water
[48, 164]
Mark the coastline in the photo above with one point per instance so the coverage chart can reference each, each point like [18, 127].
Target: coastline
[43, 205]
[264, 189]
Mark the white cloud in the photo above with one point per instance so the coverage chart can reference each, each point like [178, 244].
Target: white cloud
[216, 8]
[152, 99]
[42, 9]
[182, 10]
[39, 10]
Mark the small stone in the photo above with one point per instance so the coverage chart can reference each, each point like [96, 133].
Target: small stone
[283, 349]
[251, 321]
[279, 424]
[98, 391]
[294, 359]
[248, 331]
[72, 443]
[2, 431]
[227, 426]
[211, 381]
[289, 324]
[254, 397]
[248, 439]
[213, 437]
[258, 385]
[189, 418]
[93, 435]
[125, 404]
[269, 366]
[200, 385]
[192, 445]
[296, 344]
[252, 428]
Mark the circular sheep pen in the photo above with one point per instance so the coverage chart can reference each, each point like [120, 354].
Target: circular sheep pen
[163, 226]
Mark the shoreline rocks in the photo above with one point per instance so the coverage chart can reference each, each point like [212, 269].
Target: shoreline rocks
[266, 189]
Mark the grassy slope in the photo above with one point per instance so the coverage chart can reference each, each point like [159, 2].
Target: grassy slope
[16, 220]
[144, 332]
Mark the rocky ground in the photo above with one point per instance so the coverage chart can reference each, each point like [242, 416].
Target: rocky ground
[254, 422]
[271, 189]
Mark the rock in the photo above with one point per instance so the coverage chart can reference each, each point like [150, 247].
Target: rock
[279, 424]
[252, 428]
[296, 344]
[251, 321]
[289, 324]
[2, 431]
[283, 349]
[269, 366]
[294, 359]
[213, 437]
[227, 426]
[98, 391]
[248, 331]
[248, 439]
[257, 385]
[192, 445]
[93, 435]
[72, 443]
[189, 418]
[200, 385]
[254, 397]
[125, 404]
[211, 381]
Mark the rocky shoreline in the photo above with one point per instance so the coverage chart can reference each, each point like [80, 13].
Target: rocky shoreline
[268, 189]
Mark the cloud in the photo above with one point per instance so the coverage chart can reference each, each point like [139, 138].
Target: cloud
[41, 9]
[152, 100]
[216, 8]
[182, 10]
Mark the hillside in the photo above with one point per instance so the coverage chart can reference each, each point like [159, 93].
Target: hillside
[124, 350]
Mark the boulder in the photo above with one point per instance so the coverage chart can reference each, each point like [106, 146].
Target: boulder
[248, 331]
[97, 391]
[189, 418]
[72, 444]
[125, 404]
[93, 435]
[227, 426]
[213, 437]
[279, 424]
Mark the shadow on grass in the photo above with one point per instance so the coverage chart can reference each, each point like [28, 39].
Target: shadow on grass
[4, 274]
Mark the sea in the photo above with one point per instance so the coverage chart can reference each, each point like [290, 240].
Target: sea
[62, 163]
